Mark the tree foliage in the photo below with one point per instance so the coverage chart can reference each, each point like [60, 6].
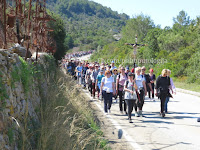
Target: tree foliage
[175, 48]
[89, 24]
[59, 35]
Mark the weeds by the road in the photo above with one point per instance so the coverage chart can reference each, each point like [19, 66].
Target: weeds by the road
[66, 119]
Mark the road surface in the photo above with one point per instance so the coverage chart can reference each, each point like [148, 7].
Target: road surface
[179, 130]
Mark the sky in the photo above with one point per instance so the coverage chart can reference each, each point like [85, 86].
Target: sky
[161, 12]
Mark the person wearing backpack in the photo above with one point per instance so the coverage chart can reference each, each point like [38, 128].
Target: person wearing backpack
[130, 97]
[120, 80]
[162, 89]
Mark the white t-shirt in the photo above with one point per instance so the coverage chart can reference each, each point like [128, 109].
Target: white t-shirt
[138, 80]
[108, 84]
[130, 86]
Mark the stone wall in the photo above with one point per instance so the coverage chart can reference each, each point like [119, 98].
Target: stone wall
[19, 101]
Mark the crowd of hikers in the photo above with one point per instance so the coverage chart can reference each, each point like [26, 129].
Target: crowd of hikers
[78, 54]
[125, 86]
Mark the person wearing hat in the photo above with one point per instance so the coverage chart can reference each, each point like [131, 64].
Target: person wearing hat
[152, 80]
[130, 88]
[98, 82]
[133, 70]
[127, 70]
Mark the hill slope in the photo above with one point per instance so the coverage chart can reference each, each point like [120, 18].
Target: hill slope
[88, 24]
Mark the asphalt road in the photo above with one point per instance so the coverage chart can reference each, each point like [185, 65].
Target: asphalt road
[179, 130]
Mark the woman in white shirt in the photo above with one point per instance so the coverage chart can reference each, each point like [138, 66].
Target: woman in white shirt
[142, 90]
[130, 93]
[107, 90]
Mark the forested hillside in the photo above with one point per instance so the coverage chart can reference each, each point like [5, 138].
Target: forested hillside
[88, 24]
[176, 48]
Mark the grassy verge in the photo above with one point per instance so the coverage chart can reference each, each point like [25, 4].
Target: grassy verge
[67, 121]
[179, 83]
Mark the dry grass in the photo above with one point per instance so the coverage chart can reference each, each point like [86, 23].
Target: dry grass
[66, 119]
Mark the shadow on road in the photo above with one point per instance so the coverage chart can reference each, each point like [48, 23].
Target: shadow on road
[169, 145]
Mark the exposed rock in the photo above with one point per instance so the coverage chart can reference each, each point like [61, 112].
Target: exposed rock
[21, 51]
[23, 110]
[2, 142]
[2, 60]
[8, 103]
[17, 100]
[1, 123]
[6, 111]
[6, 147]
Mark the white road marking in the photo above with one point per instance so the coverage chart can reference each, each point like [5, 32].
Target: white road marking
[129, 139]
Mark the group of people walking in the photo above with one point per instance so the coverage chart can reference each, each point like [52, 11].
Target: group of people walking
[131, 86]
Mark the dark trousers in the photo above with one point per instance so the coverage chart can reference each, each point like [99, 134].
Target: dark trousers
[166, 102]
[149, 92]
[83, 80]
[140, 100]
[93, 89]
[98, 90]
[121, 96]
[90, 87]
[107, 100]
[162, 100]
[130, 104]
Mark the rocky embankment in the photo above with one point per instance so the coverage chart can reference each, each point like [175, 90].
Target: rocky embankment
[19, 99]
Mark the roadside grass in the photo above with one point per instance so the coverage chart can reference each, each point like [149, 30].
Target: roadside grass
[67, 121]
[181, 83]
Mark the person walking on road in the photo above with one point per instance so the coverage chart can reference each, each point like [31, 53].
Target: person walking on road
[173, 91]
[147, 79]
[142, 90]
[130, 88]
[162, 89]
[107, 90]
[88, 78]
[98, 82]
[79, 69]
[114, 75]
[94, 77]
[152, 80]
[120, 80]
